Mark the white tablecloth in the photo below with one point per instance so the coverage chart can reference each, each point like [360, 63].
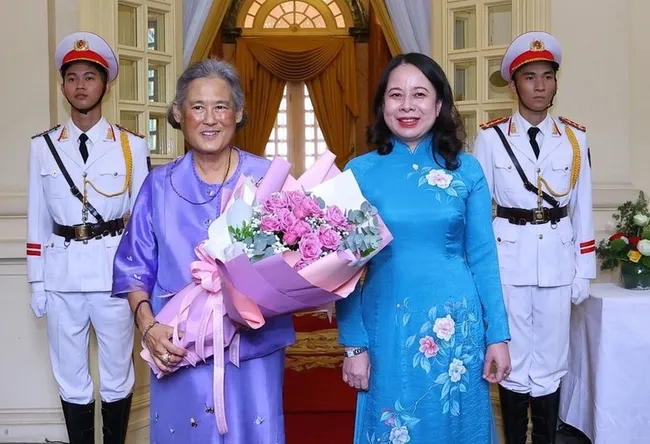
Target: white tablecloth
[606, 392]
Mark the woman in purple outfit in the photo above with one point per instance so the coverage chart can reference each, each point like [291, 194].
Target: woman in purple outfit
[171, 216]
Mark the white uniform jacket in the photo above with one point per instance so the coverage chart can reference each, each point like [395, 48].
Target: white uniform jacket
[52, 264]
[540, 255]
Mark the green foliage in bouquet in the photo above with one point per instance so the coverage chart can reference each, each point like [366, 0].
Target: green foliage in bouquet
[631, 240]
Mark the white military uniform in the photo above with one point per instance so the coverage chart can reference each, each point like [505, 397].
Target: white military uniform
[539, 263]
[75, 277]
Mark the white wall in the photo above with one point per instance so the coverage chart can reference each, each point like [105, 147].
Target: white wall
[29, 405]
[601, 85]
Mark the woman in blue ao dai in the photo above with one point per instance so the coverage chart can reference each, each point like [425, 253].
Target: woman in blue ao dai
[427, 331]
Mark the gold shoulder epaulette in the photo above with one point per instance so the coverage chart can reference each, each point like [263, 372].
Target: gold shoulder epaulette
[46, 132]
[493, 122]
[573, 124]
[130, 131]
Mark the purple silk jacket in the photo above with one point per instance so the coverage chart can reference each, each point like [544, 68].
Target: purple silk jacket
[171, 216]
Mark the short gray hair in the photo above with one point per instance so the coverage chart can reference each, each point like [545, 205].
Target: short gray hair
[203, 69]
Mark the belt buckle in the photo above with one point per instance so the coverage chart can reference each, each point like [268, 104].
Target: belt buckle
[82, 232]
[539, 216]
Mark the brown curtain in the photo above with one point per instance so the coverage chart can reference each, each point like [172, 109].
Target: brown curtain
[325, 64]
[211, 30]
[381, 56]
[383, 18]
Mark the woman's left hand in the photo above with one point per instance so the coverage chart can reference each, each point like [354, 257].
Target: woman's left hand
[499, 355]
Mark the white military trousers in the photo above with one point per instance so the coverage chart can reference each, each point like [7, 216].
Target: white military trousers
[69, 316]
[539, 327]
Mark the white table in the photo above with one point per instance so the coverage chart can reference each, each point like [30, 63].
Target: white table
[606, 392]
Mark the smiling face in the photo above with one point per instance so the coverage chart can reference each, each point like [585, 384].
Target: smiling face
[535, 83]
[208, 117]
[411, 104]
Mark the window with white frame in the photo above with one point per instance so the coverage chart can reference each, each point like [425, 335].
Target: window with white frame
[296, 136]
[478, 33]
[150, 61]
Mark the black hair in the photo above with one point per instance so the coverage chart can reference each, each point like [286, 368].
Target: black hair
[103, 72]
[448, 132]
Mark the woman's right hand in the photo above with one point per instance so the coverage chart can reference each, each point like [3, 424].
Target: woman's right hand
[165, 354]
[356, 371]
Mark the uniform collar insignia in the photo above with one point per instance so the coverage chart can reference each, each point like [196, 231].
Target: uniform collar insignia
[110, 134]
[64, 134]
[556, 130]
[512, 128]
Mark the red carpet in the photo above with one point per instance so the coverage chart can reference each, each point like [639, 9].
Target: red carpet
[318, 405]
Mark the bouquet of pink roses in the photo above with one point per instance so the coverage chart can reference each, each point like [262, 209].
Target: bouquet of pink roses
[283, 246]
[301, 221]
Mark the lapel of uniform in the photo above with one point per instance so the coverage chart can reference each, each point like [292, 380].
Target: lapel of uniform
[551, 141]
[104, 140]
[65, 143]
[519, 140]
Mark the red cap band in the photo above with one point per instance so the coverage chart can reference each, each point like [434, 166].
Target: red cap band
[85, 55]
[531, 56]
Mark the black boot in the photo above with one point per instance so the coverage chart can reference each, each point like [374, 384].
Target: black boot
[115, 417]
[544, 412]
[514, 410]
[80, 422]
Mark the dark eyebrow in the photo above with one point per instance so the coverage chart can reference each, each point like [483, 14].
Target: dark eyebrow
[67, 74]
[532, 73]
[422, 87]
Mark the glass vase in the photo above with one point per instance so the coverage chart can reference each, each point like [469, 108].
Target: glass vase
[635, 276]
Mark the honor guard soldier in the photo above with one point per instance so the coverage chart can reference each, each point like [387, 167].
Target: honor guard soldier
[84, 177]
[539, 174]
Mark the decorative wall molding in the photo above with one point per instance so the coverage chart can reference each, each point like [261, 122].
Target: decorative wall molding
[535, 15]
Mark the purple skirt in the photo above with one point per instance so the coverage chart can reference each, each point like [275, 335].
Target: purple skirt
[182, 410]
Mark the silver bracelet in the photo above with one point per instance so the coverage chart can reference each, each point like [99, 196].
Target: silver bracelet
[352, 352]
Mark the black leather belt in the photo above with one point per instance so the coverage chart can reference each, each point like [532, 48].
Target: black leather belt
[84, 232]
[519, 216]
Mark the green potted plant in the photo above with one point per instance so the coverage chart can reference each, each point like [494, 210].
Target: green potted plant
[629, 246]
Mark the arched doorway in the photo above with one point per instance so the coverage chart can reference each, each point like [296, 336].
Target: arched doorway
[302, 126]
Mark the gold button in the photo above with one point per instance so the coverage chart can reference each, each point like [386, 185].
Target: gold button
[541, 236]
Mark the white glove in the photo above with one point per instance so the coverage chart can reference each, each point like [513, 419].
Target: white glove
[39, 303]
[579, 290]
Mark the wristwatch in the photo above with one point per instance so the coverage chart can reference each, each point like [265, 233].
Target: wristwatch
[352, 352]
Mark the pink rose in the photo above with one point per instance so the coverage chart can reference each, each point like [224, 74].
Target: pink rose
[295, 197]
[307, 207]
[296, 231]
[289, 238]
[300, 228]
[310, 247]
[286, 218]
[335, 217]
[330, 239]
[428, 347]
[275, 201]
[270, 224]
